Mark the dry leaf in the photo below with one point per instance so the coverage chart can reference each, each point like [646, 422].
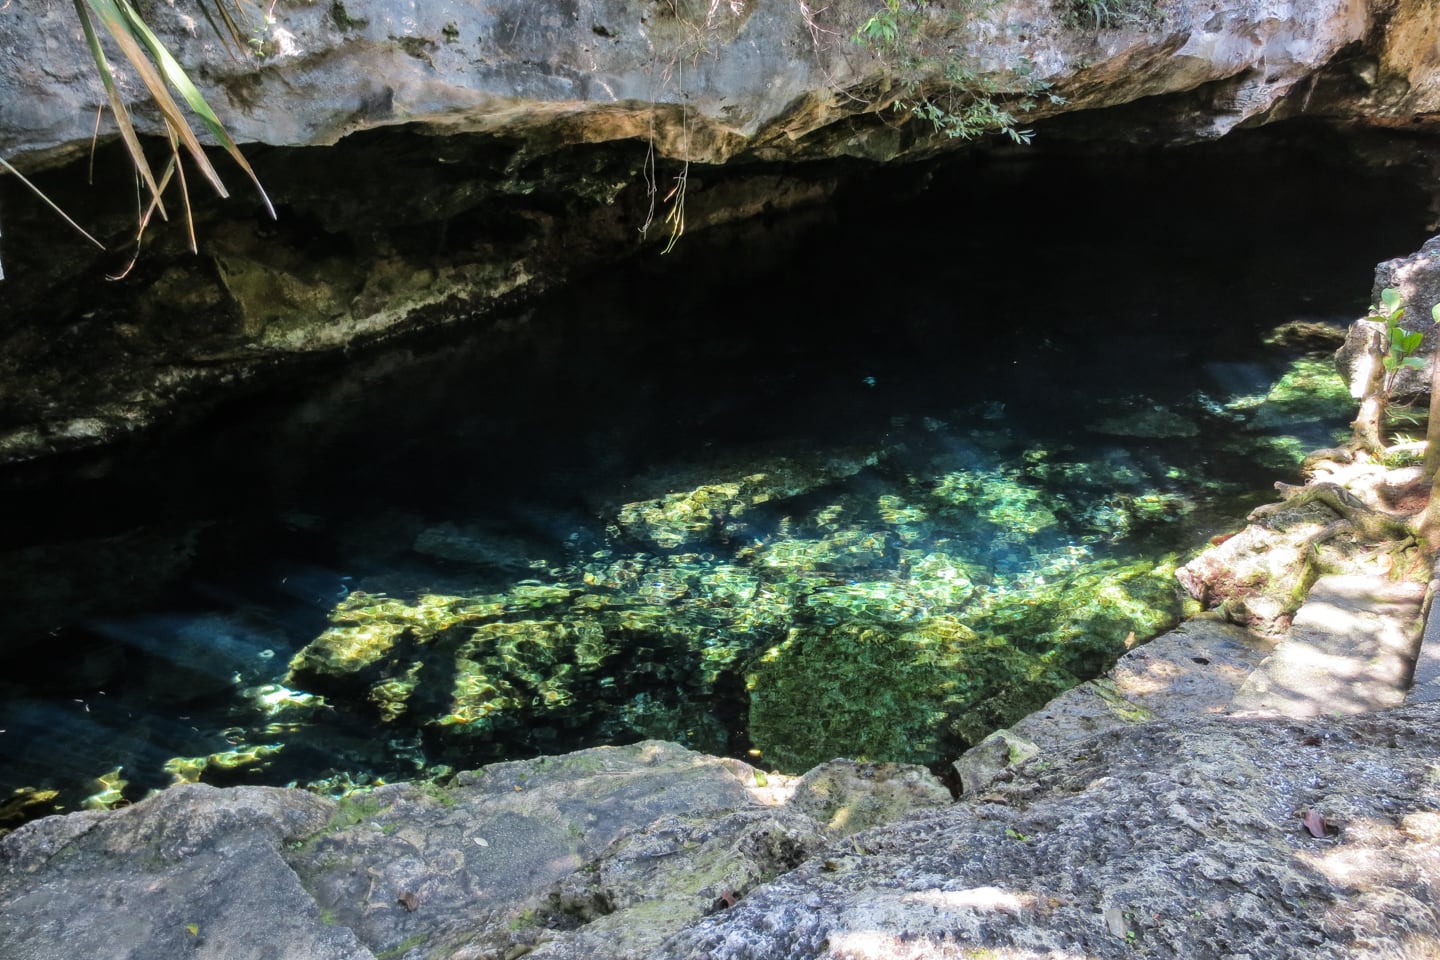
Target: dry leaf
[1314, 821]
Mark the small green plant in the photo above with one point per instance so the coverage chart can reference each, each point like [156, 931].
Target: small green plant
[1400, 343]
[1396, 349]
[937, 81]
[1012, 834]
[1107, 14]
[401, 948]
[882, 30]
[352, 810]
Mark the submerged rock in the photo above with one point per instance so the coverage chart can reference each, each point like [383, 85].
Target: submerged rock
[1143, 419]
[718, 512]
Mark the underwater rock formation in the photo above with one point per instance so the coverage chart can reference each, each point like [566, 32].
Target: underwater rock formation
[843, 607]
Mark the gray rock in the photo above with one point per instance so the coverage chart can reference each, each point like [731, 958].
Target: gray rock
[1178, 839]
[194, 872]
[1193, 670]
[982, 763]
[483, 858]
[603, 852]
[755, 79]
[1417, 279]
[1350, 649]
[847, 797]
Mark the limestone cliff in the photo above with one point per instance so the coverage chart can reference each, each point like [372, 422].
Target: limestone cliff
[715, 81]
[431, 161]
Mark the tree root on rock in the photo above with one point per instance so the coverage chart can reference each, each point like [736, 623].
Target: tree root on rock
[1370, 525]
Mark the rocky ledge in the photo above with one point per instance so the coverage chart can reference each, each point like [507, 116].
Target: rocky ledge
[1204, 838]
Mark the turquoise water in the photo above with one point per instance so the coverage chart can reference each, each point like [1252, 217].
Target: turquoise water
[871, 487]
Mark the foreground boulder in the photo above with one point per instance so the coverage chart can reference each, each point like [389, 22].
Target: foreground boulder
[1203, 838]
[1180, 840]
[607, 850]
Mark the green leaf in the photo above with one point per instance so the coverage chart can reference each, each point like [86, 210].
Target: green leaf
[1414, 363]
[1435, 313]
[1390, 297]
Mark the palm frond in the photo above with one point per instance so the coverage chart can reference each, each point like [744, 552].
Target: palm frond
[159, 71]
[117, 105]
[178, 79]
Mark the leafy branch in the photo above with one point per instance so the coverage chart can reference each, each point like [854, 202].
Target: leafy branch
[964, 103]
[1401, 344]
[1395, 347]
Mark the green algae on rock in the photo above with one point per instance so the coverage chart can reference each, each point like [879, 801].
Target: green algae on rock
[898, 603]
[873, 688]
[1310, 390]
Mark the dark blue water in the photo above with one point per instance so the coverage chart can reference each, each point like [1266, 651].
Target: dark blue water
[987, 417]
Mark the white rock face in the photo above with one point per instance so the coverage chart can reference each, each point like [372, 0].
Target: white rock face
[707, 79]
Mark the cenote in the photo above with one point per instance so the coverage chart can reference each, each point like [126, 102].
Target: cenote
[869, 480]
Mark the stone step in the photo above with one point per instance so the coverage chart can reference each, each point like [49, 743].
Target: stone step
[1193, 670]
[1350, 649]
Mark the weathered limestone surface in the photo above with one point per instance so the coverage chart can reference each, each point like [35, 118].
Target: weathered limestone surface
[1351, 649]
[1173, 839]
[1182, 838]
[746, 78]
[600, 853]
